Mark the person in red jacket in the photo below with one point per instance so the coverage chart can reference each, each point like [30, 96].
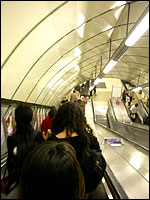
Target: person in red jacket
[46, 123]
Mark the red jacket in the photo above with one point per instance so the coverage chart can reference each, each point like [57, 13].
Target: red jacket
[46, 124]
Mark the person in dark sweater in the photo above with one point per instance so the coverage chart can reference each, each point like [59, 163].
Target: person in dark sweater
[21, 142]
[69, 124]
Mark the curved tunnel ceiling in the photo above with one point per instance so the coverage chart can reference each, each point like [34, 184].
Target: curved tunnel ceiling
[49, 47]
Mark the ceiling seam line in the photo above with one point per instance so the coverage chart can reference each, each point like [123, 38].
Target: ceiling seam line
[64, 66]
[61, 56]
[18, 44]
[69, 52]
[69, 70]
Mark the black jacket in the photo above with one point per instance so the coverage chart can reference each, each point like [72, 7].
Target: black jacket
[84, 156]
[17, 151]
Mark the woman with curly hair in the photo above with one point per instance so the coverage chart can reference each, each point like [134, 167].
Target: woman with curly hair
[69, 124]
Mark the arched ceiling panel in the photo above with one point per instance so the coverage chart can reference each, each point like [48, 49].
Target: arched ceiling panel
[50, 46]
[20, 16]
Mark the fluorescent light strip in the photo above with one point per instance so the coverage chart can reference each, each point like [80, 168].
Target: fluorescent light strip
[76, 66]
[118, 3]
[118, 12]
[78, 52]
[98, 80]
[81, 19]
[91, 88]
[110, 32]
[109, 66]
[107, 28]
[139, 31]
[81, 31]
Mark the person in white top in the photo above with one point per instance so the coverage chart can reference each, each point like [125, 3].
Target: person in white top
[133, 111]
[73, 97]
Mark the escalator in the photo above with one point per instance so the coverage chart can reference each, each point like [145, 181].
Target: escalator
[120, 122]
[101, 115]
[142, 111]
[129, 162]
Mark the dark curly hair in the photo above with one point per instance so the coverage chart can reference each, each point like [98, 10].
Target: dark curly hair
[71, 117]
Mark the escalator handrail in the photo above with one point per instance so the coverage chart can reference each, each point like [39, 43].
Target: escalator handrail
[114, 115]
[93, 109]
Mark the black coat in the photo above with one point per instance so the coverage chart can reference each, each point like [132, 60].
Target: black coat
[84, 157]
[17, 151]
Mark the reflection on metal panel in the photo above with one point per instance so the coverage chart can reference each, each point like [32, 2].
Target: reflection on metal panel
[121, 159]
[142, 113]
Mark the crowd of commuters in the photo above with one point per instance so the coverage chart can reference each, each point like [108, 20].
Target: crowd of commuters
[55, 156]
[57, 159]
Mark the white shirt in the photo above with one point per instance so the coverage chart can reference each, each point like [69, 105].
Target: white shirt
[127, 99]
[134, 109]
[73, 97]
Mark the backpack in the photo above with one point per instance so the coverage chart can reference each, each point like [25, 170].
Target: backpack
[93, 166]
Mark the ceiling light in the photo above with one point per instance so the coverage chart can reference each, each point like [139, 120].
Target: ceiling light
[137, 89]
[98, 80]
[81, 31]
[77, 52]
[118, 12]
[118, 3]
[138, 31]
[107, 28]
[91, 88]
[50, 85]
[81, 19]
[110, 32]
[77, 67]
[109, 66]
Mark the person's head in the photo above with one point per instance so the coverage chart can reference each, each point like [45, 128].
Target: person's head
[136, 105]
[23, 118]
[70, 117]
[23, 114]
[52, 171]
[52, 111]
[81, 104]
